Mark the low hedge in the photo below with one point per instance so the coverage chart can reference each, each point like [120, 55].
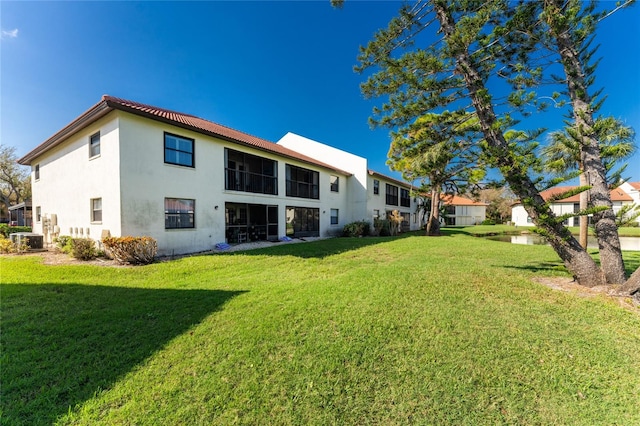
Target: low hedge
[131, 250]
[6, 230]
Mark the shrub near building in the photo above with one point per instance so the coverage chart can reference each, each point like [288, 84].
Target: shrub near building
[356, 229]
[133, 250]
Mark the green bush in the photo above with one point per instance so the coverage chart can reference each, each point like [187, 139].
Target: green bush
[63, 243]
[6, 230]
[382, 227]
[356, 229]
[83, 248]
[133, 250]
[488, 222]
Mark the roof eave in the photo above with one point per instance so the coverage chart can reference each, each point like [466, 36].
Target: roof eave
[94, 113]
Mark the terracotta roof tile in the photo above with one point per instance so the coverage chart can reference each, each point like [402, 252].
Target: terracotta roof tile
[188, 121]
[617, 194]
[456, 200]
[209, 127]
[389, 178]
[636, 185]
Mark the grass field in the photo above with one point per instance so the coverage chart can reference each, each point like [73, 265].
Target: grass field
[411, 330]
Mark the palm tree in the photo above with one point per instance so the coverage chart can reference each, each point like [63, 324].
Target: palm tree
[563, 154]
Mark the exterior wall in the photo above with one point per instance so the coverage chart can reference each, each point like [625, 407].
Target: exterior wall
[379, 202]
[146, 180]
[470, 215]
[519, 216]
[69, 179]
[633, 193]
[361, 201]
[356, 184]
[132, 180]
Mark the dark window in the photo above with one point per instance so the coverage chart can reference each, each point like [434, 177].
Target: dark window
[96, 210]
[405, 200]
[303, 222]
[94, 145]
[37, 171]
[334, 181]
[178, 150]
[392, 195]
[179, 213]
[376, 187]
[406, 222]
[302, 183]
[334, 216]
[250, 173]
[38, 213]
[450, 210]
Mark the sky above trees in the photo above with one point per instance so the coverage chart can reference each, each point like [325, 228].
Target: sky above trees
[265, 68]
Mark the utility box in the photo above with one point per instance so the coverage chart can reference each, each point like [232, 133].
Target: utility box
[33, 241]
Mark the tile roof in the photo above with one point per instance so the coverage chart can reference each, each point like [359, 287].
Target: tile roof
[617, 194]
[397, 181]
[456, 200]
[636, 185]
[186, 121]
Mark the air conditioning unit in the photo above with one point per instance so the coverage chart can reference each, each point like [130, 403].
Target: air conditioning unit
[33, 241]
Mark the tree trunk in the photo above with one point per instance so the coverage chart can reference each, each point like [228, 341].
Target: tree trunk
[584, 220]
[606, 229]
[433, 225]
[575, 258]
[632, 286]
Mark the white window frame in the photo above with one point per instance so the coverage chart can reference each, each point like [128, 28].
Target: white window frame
[94, 146]
[335, 218]
[94, 210]
[334, 183]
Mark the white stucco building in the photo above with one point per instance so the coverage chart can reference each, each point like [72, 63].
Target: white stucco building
[125, 168]
[619, 197]
[463, 211]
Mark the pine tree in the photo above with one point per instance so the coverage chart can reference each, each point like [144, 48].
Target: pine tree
[479, 44]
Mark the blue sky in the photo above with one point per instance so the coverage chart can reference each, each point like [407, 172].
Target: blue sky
[265, 68]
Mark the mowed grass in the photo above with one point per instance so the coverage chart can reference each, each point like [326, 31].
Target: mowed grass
[412, 330]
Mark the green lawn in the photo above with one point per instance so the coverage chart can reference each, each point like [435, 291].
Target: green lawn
[480, 230]
[411, 330]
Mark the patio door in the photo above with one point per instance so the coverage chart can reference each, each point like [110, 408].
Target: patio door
[272, 223]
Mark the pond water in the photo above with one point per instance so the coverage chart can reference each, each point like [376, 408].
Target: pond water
[626, 243]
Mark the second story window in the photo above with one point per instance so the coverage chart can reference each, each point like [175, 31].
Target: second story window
[405, 200]
[250, 173]
[376, 187]
[94, 145]
[178, 150]
[335, 181]
[303, 183]
[392, 195]
[37, 172]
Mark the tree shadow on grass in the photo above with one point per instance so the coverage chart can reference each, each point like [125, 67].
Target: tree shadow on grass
[317, 249]
[538, 267]
[63, 343]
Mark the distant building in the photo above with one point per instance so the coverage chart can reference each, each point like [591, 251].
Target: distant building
[619, 198]
[463, 211]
